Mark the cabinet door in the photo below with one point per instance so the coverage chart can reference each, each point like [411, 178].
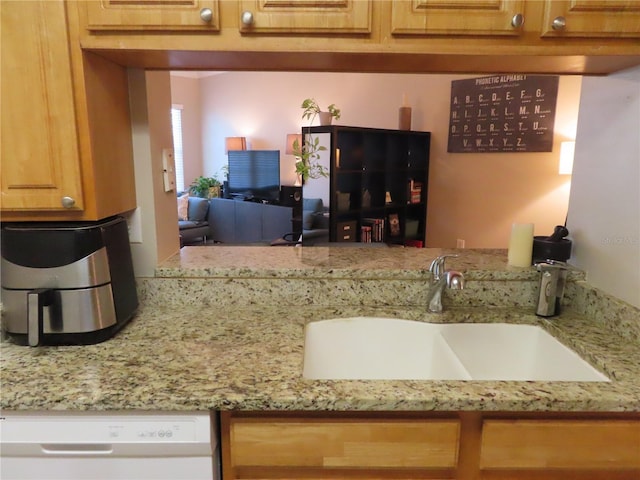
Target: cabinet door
[591, 18]
[464, 17]
[183, 15]
[40, 156]
[319, 16]
[547, 444]
[357, 445]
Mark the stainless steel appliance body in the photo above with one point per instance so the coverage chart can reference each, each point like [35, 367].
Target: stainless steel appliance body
[69, 283]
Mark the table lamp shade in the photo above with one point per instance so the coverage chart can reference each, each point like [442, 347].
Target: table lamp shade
[234, 143]
[291, 138]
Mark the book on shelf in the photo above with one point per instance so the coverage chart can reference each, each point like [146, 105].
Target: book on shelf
[415, 191]
[414, 243]
[377, 228]
[365, 234]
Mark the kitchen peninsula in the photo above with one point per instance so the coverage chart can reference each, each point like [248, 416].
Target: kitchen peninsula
[222, 329]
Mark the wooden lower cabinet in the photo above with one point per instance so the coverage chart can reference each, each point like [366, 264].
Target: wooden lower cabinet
[589, 448]
[404, 445]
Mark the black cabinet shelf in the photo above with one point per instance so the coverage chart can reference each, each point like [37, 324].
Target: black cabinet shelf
[378, 183]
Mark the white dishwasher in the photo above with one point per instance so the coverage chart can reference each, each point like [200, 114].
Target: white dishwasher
[109, 446]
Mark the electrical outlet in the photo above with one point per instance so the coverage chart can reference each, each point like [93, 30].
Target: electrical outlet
[460, 243]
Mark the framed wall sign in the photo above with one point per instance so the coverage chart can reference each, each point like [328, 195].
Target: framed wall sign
[503, 113]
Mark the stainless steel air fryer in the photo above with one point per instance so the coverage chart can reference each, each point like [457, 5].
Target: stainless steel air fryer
[66, 283]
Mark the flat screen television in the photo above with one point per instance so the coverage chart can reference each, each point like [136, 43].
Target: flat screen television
[254, 175]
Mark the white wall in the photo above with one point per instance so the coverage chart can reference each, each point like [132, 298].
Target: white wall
[474, 197]
[604, 208]
[150, 105]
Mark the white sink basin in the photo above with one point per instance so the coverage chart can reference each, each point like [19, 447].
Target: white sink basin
[378, 349]
[370, 348]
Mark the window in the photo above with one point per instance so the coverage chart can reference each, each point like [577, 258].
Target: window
[176, 124]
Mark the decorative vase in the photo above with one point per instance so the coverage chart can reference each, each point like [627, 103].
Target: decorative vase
[325, 118]
[404, 118]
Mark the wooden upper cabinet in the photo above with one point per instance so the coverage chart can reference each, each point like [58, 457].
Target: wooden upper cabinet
[40, 157]
[305, 16]
[591, 18]
[182, 15]
[66, 130]
[457, 17]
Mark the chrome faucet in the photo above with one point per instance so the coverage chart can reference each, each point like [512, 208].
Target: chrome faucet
[553, 276]
[441, 278]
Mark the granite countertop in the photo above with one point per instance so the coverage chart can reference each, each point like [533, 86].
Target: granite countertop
[338, 262]
[250, 357]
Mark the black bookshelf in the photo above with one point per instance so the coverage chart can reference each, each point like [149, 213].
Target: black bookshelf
[378, 183]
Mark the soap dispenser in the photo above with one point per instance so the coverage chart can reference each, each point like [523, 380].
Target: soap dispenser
[553, 276]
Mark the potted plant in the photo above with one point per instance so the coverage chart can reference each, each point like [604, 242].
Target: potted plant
[205, 187]
[307, 165]
[311, 109]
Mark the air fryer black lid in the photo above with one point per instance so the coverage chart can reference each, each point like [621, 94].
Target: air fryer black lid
[52, 244]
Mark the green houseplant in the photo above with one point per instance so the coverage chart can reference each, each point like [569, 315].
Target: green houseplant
[311, 109]
[307, 165]
[201, 185]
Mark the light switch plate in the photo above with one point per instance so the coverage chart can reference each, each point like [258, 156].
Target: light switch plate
[168, 170]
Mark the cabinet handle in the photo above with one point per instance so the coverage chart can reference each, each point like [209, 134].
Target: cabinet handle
[68, 202]
[517, 21]
[247, 18]
[559, 23]
[206, 15]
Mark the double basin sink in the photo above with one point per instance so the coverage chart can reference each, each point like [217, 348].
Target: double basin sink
[372, 348]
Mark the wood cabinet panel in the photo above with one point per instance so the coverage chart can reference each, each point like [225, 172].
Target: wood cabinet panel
[40, 158]
[447, 17]
[355, 444]
[183, 15]
[326, 16]
[462, 445]
[578, 444]
[592, 18]
[66, 130]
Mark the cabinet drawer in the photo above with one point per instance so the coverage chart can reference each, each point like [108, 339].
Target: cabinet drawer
[344, 444]
[346, 231]
[160, 15]
[584, 444]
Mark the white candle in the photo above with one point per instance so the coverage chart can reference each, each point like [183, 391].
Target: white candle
[521, 245]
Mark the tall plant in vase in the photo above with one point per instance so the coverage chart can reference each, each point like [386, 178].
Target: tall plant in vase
[307, 165]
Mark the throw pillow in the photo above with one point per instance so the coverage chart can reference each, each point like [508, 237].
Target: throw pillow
[183, 207]
[198, 208]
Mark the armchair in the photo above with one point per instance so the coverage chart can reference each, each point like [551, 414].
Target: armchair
[195, 224]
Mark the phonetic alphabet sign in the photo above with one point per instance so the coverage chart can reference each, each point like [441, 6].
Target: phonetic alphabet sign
[503, 113]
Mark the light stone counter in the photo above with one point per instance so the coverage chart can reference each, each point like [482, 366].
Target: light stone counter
[213, 336]
[336, 262]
